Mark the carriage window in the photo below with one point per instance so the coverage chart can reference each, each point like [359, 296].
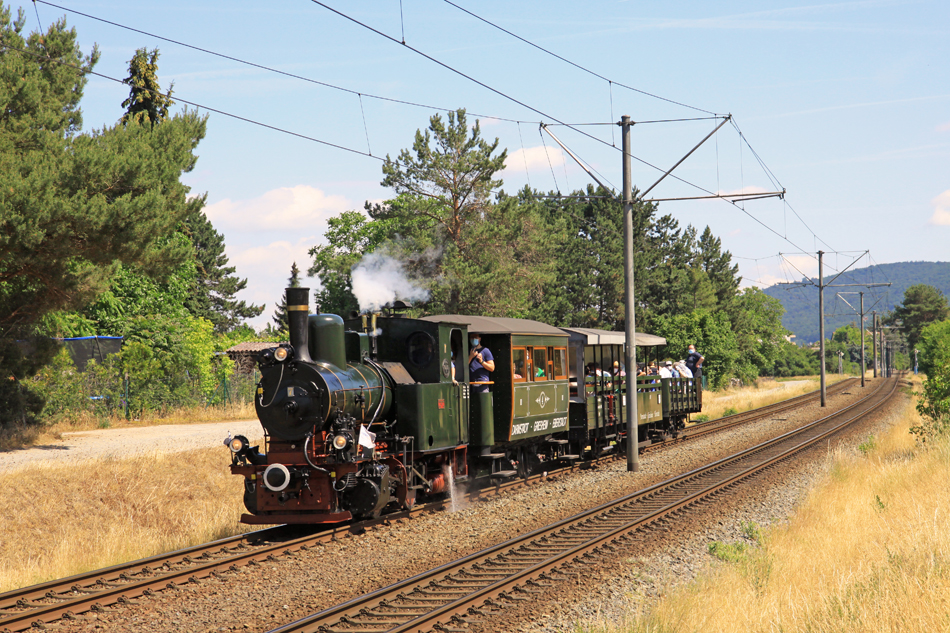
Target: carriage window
[540, 358]
[518, 357]
[560, 363]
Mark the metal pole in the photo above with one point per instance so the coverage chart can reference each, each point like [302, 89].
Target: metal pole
[863, 365]
[874, 338]
[821, 323]
[633, 434]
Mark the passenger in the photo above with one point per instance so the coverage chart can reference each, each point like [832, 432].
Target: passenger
[666, 369]
[694, 361]
[618, 369]
[480, 362]
[682, 369]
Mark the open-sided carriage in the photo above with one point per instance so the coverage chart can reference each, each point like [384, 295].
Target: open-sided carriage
[599, 386]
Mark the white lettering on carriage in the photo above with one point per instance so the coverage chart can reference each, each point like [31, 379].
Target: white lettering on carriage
[540, 425]
[558, 423]
[519, 429]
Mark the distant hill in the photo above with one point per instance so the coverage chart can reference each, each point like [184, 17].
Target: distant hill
[801, 303]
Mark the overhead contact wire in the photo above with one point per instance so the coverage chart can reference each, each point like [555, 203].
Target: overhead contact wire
[575, 65]
[269, 68]
[192, 103]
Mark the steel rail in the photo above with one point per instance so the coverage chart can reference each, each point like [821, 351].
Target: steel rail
[743, 417]
[451, 590]
[52, 600]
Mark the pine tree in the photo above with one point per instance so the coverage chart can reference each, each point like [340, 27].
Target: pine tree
[280, 314]
[146, 98]
[216, 285]
[75, 206]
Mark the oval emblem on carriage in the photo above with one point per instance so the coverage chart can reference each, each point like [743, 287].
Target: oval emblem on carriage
[543, 399]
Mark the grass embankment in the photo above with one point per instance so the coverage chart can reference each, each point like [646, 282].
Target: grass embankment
[21, 436]
[66, 518]
[869, 550]
[764, 392]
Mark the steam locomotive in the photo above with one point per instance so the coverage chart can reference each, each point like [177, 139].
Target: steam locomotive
[378, 412]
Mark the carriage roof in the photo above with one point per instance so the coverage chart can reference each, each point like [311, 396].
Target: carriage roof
[497, 325]
[591, 336]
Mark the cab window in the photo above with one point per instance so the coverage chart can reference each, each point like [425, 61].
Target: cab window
[540, 358]
[518, 360]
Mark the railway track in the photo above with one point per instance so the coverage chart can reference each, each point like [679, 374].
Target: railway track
[476, 588]
[25, 608]
[729, 421]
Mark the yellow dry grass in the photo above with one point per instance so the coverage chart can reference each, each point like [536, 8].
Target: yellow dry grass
[868, 551]
[764, 392]
[63, 519]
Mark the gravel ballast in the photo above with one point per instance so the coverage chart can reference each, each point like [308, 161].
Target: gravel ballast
[276, 592]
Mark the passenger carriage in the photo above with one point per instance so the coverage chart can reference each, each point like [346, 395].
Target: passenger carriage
[598, 393]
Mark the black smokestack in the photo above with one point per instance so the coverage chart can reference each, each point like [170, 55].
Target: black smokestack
[298, 311]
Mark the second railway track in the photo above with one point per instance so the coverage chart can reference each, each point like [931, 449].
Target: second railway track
[471, 591]
[31, 606]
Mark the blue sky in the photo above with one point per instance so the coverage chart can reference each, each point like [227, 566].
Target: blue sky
[846, 103]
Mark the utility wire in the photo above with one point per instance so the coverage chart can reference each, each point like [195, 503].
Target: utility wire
[269, 68]
[567, 61]
[191, 103]
[372, 96]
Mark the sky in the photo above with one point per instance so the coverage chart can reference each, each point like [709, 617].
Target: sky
[845, 105]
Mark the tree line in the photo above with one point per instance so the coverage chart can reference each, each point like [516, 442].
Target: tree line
[555, 258]
[100, 237]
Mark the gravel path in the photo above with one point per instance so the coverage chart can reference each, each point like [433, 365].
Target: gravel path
[82, 445]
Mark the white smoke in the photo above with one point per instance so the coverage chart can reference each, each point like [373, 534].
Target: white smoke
[379, 280]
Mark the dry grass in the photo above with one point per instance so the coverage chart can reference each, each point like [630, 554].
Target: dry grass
[65, 519]
[869, 550]
[764, 392]
[21, 436]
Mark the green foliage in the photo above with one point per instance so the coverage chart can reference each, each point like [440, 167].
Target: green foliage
[74, 205]
[922, 306]
[730, 411]
[20, 404]
[793, 360]
[702, 417]
[934, 347]
[880, 506]
[752, 531]
[867, 445]
[729, 552]
[349, 237]
[757, 321]
[713, 336]
[934, 406]
[146, 101]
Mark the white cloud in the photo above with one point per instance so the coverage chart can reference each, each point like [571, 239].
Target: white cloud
[537, 158]
[941, 204]
[294, 208]
[796, 266]
[264, 236]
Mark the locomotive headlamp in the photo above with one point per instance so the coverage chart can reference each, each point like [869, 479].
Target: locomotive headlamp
[281, 353]
[238, 445]
[340, 442]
